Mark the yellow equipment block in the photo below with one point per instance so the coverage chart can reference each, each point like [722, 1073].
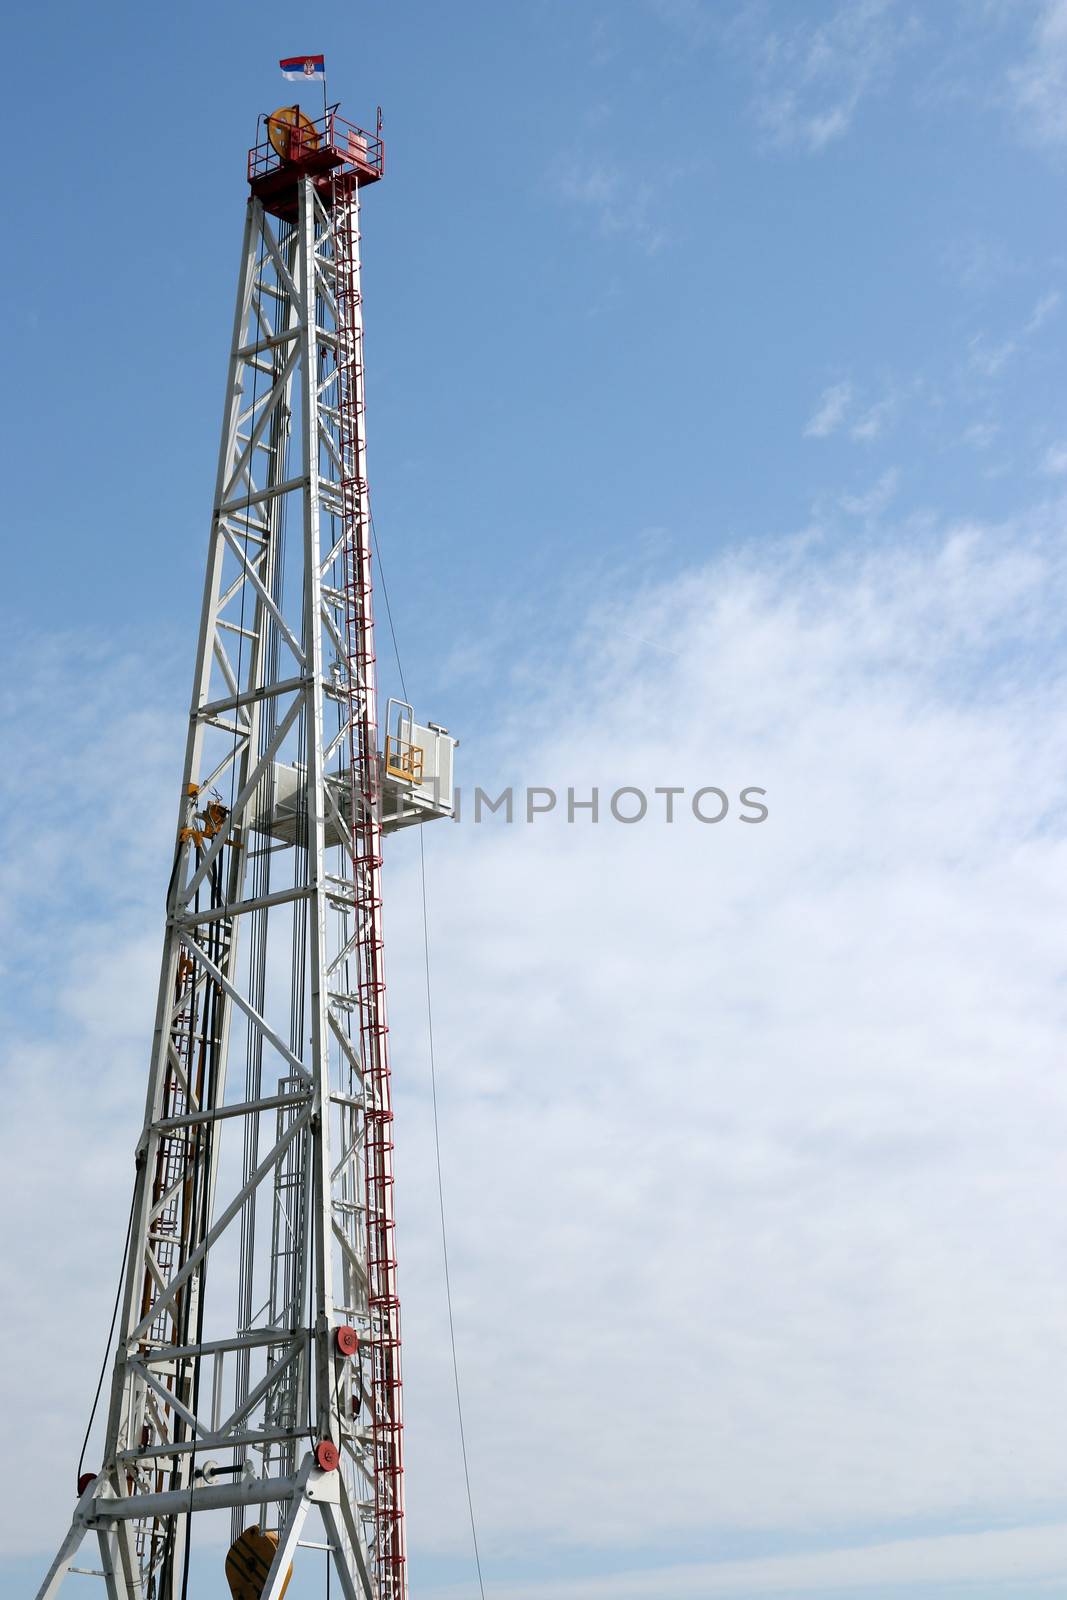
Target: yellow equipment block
[291, 133]
[249, 1561]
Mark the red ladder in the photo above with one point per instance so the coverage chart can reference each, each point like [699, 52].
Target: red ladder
[384, 1352]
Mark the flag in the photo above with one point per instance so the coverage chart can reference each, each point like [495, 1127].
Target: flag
[298, 67]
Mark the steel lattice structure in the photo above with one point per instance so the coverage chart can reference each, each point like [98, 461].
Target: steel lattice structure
[258, 1355]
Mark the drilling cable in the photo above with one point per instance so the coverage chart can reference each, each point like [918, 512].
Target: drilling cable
[201, 1200]
[111, 1334]
[441, 1209]
[388, 607]
[433, 1097]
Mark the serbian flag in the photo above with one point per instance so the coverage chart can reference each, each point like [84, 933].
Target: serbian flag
[297, 67]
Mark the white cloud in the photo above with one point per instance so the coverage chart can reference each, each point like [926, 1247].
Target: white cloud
[981, 435]
[786, 1098]
[837, 410]
[979, 263]
[1038, 85]
[1045, 306]
[619, 203]
[91, 784]
[812, 76]
[990, 360]
[752, 1135]
[872, 424]
[1034, 1554]
[876, 500]
[831, 411]
[1055, 459]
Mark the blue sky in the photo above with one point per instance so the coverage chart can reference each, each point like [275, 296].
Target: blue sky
[717, 434]
[611, 272]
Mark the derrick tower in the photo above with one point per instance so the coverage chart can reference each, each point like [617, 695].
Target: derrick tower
[257, 1362]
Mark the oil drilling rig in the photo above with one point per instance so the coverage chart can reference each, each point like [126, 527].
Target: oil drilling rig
[257, 1361]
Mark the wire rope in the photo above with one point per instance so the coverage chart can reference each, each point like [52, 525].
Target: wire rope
[110, 1336]
[433, 1097]
[441, 1209]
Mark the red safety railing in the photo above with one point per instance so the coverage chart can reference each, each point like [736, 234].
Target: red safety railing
[326, 143]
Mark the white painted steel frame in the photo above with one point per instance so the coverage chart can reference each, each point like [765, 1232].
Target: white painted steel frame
[277, 679]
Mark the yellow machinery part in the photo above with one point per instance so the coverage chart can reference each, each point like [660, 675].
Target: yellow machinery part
[249, 1561]
[403, 759]
[214, 817]
[281, 125]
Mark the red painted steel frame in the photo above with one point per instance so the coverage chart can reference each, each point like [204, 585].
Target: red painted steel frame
[366, 816]
[333, 152]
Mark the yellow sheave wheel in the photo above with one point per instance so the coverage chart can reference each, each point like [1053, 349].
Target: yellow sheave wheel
[280, 125]
[249, 1562]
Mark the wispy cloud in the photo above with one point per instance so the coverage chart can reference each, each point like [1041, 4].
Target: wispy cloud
[839, 410]
[991, 358]
[1054, 461]
[619, 203]
[875, 419]
[830, 412]
[1038, 84]
[813, 76]
[877, 498]
[1036, 1555]
[981, 435]
[979, 263]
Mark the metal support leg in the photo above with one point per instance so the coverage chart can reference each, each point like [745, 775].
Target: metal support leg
[355, 1541]
[67, 1551]
[342, 1533]
[107, 1542]
[128, 1563]
[290, 1536]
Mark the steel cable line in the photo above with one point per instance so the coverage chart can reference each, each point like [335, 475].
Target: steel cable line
[441, 1209]
[433, 1097]
[110, 1336]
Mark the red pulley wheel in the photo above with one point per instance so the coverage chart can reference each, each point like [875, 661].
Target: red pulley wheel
[347, 1341]
[84, 1481]
[326, 1455]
